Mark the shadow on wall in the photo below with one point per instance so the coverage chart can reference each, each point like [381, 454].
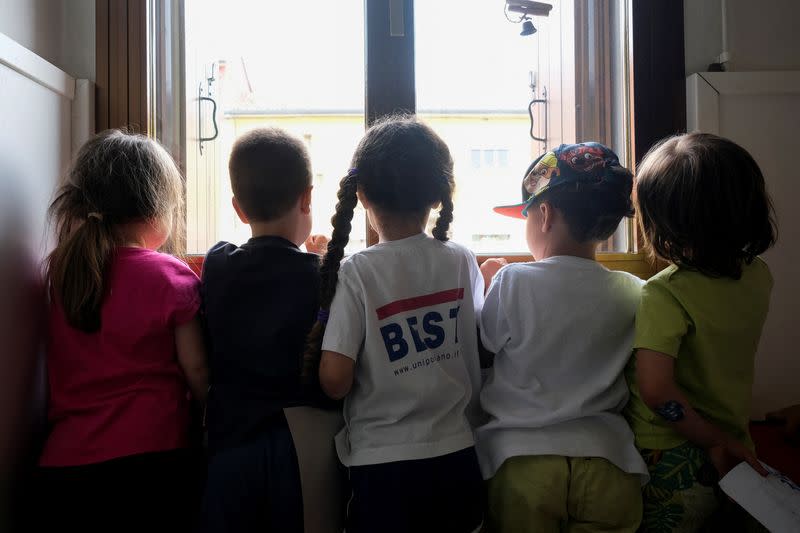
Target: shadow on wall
[22, 384]
[48, 19]
[60, 31]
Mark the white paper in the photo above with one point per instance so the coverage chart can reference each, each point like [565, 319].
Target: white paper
[773, 500]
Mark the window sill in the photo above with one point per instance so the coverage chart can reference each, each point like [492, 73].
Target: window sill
[637, 264]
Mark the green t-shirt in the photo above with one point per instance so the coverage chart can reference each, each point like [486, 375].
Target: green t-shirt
[711, 326]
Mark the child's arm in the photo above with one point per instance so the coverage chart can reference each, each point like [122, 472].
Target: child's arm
[192, 357]
[336, 373]
[655, 376]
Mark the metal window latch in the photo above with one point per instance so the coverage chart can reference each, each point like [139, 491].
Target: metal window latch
[532, 104]
[200, 99]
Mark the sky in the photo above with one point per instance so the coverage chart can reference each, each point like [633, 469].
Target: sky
[309, 54]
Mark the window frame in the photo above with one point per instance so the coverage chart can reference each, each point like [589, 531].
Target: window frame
[121, 65]
[657, 72]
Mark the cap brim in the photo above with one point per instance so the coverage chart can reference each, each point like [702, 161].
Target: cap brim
[513, 211]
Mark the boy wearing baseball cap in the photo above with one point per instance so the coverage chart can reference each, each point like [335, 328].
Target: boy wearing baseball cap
[556, 450]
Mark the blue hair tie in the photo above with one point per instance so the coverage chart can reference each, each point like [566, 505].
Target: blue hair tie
[322, 315]
[352, 173]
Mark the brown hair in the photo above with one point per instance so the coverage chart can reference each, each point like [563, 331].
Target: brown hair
[269, 171]
[703, 204]
[403, 168]
[116, 178]
[594, 210]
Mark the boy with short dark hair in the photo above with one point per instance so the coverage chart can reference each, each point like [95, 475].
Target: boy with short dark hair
[260, 300]
[556, 450]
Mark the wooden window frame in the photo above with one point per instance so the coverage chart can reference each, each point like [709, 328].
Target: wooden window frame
[657, 63]
[659, 81]
[121, 65]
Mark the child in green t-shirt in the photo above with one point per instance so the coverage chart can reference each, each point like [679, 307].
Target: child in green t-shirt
[703, 208]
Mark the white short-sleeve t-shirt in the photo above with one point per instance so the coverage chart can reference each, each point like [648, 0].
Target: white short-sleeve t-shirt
[562, 331]
[406, 312]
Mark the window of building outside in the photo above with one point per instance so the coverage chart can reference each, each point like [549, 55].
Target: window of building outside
[300, 66]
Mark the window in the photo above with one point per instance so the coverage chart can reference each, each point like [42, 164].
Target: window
[258, 64]
[580, 41]
[271, 63]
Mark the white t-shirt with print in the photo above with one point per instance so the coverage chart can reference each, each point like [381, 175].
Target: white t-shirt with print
[406, 312]
[562, 331]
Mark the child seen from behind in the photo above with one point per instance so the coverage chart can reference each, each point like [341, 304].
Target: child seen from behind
[124, 346]
[260, 300]
[400, 341]
[704, 208]
[557, 452]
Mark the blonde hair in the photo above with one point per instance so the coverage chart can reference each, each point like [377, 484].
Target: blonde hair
[116, 178]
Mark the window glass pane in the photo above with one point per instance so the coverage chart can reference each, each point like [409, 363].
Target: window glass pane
[488, 158]
[298, 66]
[475, 156]
[486, 108]
[489, 109]
[502, 158]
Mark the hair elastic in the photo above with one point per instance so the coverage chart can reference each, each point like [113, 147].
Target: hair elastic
[352, 173]
[322, 315]
[96, 215]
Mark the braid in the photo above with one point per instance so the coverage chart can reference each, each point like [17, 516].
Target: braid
[329, 271]
[445, 217]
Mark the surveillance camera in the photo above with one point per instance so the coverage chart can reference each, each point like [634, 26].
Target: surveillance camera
[529, 8]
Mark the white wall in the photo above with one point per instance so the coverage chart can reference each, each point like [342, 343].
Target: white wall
[63, 33]
[761, 35]
[35, 148]
[60, 31]
[78, 40]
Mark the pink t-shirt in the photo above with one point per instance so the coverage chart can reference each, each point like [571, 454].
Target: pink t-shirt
[119, 391]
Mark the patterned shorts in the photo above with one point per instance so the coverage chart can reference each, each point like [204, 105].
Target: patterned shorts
[683, 495]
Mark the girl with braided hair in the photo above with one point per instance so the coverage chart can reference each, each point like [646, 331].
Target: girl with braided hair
[396, 338]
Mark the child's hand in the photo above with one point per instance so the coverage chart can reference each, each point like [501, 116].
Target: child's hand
[317, 244]
[728, 454]
[489, 268]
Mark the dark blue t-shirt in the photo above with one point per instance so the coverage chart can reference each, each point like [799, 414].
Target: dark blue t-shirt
[259, 302]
